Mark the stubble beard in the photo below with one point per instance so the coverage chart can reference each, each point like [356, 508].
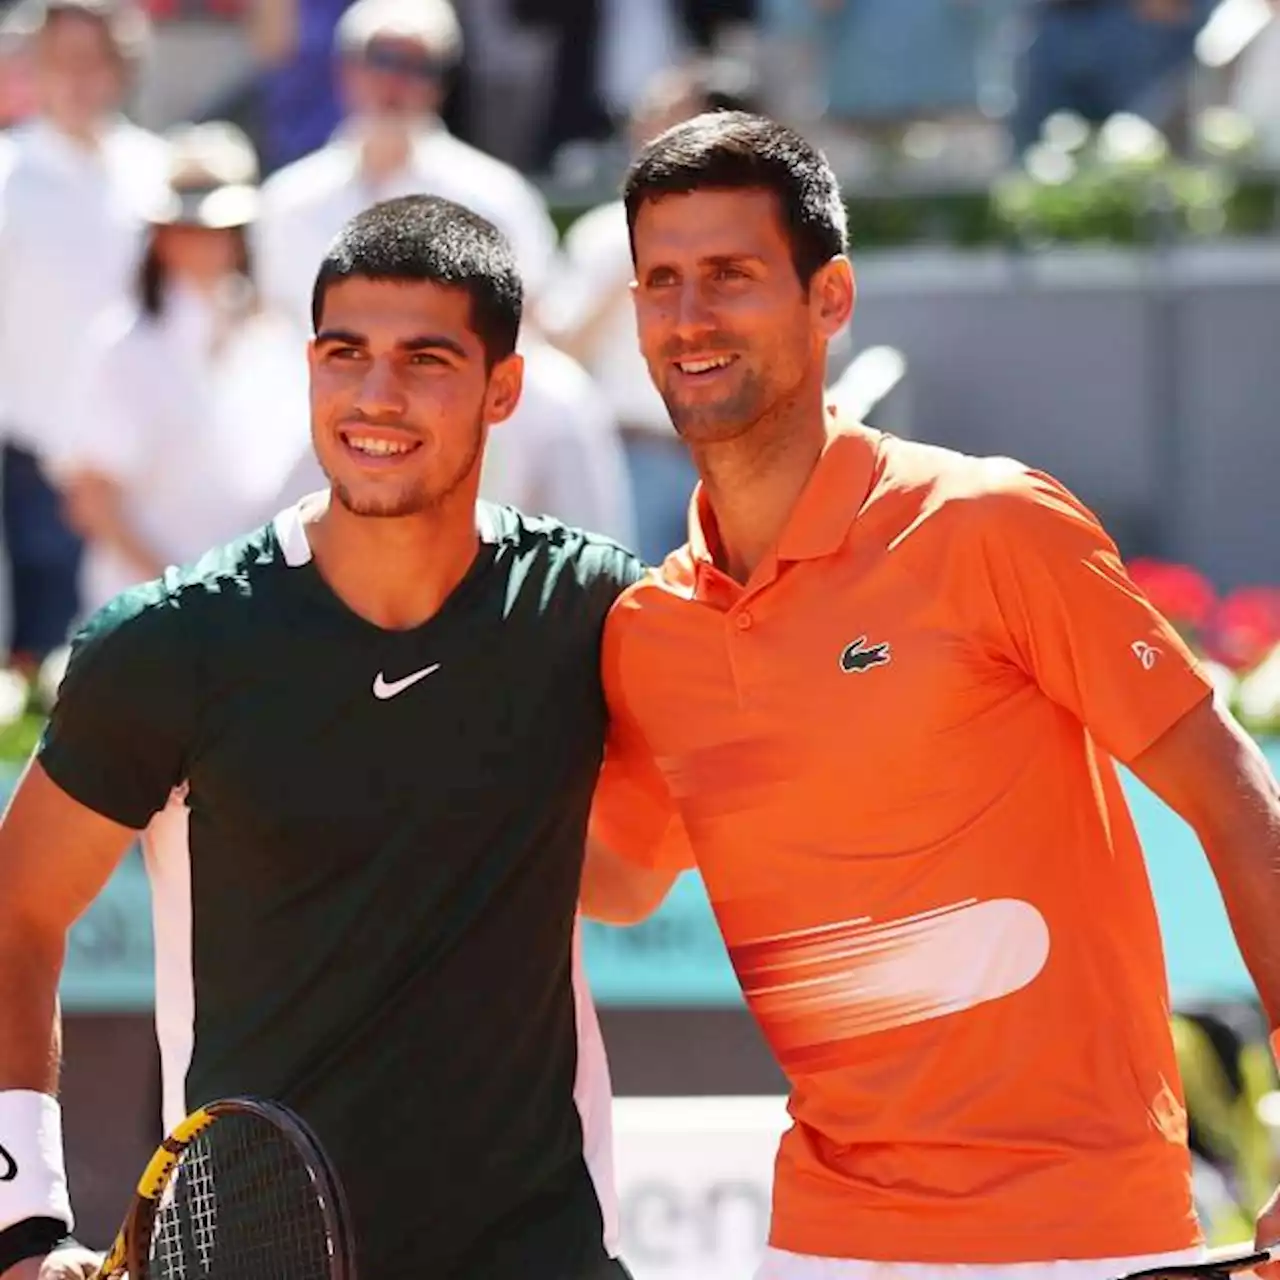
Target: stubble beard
[727, 420]
[415, 499]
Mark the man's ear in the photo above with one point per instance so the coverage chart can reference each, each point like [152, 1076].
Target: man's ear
[505, 382]
[834, 293]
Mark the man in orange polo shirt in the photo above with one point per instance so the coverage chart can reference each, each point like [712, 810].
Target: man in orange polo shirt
[878, 700]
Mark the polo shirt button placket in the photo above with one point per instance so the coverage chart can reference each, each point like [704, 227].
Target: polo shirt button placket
[740, 658]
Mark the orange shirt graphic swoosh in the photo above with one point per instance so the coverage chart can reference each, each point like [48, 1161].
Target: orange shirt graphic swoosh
[856, 978]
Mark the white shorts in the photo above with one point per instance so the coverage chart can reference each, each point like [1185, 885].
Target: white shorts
[778, 1265]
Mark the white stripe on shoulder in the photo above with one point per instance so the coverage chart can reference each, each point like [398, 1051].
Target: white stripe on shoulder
[291, 528]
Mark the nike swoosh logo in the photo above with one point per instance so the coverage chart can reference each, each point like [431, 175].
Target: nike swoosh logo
[384, 688]
[8, 1166]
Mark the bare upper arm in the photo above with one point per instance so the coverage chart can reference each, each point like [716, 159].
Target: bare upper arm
[618, 891]
[55, 853]
[1210, 771]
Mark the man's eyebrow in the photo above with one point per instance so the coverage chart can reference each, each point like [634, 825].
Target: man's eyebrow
[419, 342]
[346, 337]
[434, 342]
[730, 259]
[711, 260]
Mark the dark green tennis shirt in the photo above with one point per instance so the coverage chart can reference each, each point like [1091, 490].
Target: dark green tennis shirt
[365, 871]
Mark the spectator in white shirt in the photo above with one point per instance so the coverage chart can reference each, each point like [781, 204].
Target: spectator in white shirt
[392, 59]
[194, 410]
[72, 209]
[589, 314]
[560, 453]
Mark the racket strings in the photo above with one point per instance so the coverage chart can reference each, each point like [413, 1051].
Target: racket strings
[243, 1204]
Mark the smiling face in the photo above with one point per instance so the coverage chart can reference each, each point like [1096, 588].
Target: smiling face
[728, 330]
[401, 397]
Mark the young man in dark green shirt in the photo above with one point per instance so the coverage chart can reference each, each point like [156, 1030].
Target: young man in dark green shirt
[363, 742]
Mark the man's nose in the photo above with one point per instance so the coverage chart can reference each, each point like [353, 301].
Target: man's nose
[381, 392]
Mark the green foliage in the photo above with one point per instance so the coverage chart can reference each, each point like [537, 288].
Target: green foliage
[1120, 185]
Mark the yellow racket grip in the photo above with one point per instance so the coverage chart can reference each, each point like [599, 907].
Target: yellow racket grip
[114, 1263]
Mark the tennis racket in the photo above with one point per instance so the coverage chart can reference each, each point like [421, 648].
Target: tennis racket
[240, 1190]
[1217, 1264]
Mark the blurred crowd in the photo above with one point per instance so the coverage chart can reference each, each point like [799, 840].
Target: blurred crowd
[155, 274]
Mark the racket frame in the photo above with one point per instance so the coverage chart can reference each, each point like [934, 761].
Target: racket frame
[130, 1252]
[1217, 1264]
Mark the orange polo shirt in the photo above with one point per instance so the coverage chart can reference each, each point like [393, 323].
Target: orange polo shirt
[891, 756]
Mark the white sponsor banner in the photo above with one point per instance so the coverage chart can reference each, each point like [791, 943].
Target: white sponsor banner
[694, 1179]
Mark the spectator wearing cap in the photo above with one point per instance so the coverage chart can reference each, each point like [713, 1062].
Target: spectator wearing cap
[590, 315]
[72, 216]
[193, 410]
[393, 57]
[559, 453]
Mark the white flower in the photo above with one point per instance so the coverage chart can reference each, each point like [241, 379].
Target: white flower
[1223, 679]
[13, 697]
[1258, 697]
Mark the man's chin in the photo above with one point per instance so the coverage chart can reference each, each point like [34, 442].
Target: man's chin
[380, 506]
[709, 425]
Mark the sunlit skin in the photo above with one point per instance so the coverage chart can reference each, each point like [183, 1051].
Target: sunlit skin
[397, 366]
[715, 282]
[402, 401]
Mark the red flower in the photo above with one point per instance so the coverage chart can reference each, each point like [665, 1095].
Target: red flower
[1179, 592]
[1246, 626]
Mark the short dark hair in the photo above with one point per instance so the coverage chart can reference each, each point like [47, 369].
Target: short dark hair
[426, 238]
[737, 151]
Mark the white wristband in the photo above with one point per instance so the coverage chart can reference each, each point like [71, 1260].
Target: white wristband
[33, 1179]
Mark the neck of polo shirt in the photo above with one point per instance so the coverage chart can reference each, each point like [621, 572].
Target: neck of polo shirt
[818, 525]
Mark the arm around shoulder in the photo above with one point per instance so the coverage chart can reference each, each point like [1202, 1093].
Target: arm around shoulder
[617, 891]
[637, 843]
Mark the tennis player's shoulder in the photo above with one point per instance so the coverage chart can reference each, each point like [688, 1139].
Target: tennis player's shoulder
[960, 490]
[170, 611]
[596, 560]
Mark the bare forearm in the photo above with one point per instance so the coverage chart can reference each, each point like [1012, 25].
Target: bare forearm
[30, 1031]
[96, 509]
[617, 892]
[273, 30]
[1245, 855]
[122, 539]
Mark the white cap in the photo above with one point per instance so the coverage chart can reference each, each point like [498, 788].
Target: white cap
[432, 23]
